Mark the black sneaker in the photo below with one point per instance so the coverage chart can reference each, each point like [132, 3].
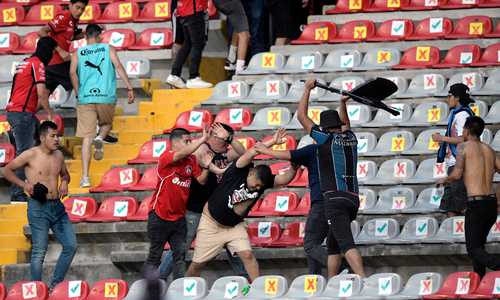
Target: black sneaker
[229, 66]
[109, 139]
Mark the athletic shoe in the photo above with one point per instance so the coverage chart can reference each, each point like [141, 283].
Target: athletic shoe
[85, 182]
[109, 139]
[198, 83]
[98, 148]
[176, 81]
[229, 66]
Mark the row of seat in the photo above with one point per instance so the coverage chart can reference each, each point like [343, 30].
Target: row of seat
[356, 6]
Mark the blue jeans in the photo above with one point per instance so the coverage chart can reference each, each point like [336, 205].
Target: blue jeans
[23, 126]
[41, 218]
[258, 17]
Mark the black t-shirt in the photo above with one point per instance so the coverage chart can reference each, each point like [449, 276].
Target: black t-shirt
[230, 193]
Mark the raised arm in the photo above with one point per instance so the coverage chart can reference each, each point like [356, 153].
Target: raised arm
[287, 177]
[122, 73]
[191, 148]
[344, 116]
[19, 162]
[247, 158]
[204, 162]
[303, 107]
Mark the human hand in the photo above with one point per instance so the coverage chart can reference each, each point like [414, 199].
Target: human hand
[131, 96]
[310, 84]
[441, 181]
[437, 137]
[63, 189]
[206, 159]
[219, 131]
[345, 98]
[205, 134]
[28, 188]
[279, 136]
[305, 3]
[260, 148]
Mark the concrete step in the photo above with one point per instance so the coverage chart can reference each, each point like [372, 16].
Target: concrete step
[130, 122]
[12, 226]
[95, 179]
[114, 152]
[13, 241]
[134, 137]
[14, 211]
[96, 166]
[13, 256]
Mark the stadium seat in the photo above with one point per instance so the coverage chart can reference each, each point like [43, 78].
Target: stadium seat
[456, 285]
[36, 290]
[119, 12]
[263, 234]
[317, 33]
[428, 113]
[301, 179]
[42, 116]
[489, 287]
[269, 118]
[147, 182]
[115, 289]
[306, 287]
[40, 14]
[355, 31]
[302, 62]
[415, 230]
[3, 291]
[303, 207]
[246, 141]
[460, 56]
[431, 29]
[424, 85]
[489, 57]
[345, 83]
[80, 208]
[227, 287]
[342, 286]
[142, 212]
[91, 13]
[471, 27]
[290, 143]
[7, 153]
[292, 236]
[268, 287]
[379, 58]
[366, 142]
[313, 112]
[192, 120]
[490, 87]
[58, 97]
[348, 6]
[22, 2]
[266, 90]
[117, 180]
[121, 39]
[235, 117]
[494, 235]
[155, 11]
[419, 285]
[392, 142]
[393, 171]
[487, 136]
[306, 140]
[380, 286]
[359, 114]
[495, 144]
[255, 208]
[423, 4]
[400, 82]
[385, 119]
[424, 143]
[71, 289]
[387, 5]
[9, 41]
[7, 73]
[474, 80]
[264, 63]
[27, 44]
[341, 60]
[297, 90]
[457, 4]
[419, 57]
[493, 116]
[367, 199]
[138, 290]
[393, 200]
[366, 171]
[393, 30]
[4, 97]
[114, 209]
[153, 38]
[489, 3]
[428, 172]
[10, 14]
[228, 92]
[479, 108]
[277, 204]
[150, 151]
[452, 230]
[377, 231]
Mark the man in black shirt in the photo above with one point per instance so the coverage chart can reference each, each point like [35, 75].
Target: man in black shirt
[221, 222]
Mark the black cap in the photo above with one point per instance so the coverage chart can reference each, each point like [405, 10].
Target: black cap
[330, 119]
[462, 92]
[44, 49]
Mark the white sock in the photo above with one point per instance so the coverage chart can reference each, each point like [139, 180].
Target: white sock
[240, 64]
[233, 51]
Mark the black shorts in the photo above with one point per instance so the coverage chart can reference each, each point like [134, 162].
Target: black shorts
[455, 196]
[58, 75]
[235, 13]
[281, 17]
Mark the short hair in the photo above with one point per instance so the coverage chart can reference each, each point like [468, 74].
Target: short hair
[177, 133]
[475, 125]
[45, 126]
[86, 2]
[265, 175]
[227, 128]
[93, 30]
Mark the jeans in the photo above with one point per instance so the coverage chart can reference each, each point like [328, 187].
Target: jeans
[192, 221]
[315, 233]
[41, 218]
[480, 216]
[159, 233]
[257, 15]
[23, 125]
[194, 30]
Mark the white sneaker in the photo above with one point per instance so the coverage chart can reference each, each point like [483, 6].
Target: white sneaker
[176, 81]
[85, 182]
[198, 83]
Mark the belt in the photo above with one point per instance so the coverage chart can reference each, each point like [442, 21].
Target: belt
[480, 198]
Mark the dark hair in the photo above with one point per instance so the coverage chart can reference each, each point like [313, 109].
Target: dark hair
[227, 128]
[86, 2]
[265, 175]
[93, 30]
[177, 133]
[44, 49]
[43, 129]
[475, 125]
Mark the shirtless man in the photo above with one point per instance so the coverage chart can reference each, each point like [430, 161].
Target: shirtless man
[46, 182]
[477, 163]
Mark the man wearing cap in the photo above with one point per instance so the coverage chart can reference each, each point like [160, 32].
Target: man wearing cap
[455, 195]
[331, 164]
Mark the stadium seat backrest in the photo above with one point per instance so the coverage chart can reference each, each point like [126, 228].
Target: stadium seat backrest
[452, 229]
[461, 55]
[367, 199]
[349, 6]
[366, 142]
[455, 4]
[150, 151]
[138, 290]
[227, 287]
[270, 118]
[419, 228]
[424, 4]
[297, 89]
[288, 144]
[458, 283]
[9, 41]
[429, 171]
[27, 44]
[383, 117]
[4, 97]
[137, 67]
[426, 84]
[422, 284]
[42, 116]
[268, 287]
[292, 235]
[432, 28]
[246, 141]
[154, 38]
[490, 56]
[193, 120]
[366, 170]
[108, 289]
[379, 229]
[114, 209]
[306, 140]
[380, 58]
[71, 289]
[343, 286]
[424, 142]
[430, 113]
[11, 14]
[396, 198]
[278, 203]
[419, 57]
[474, 80]
[401, 83]
[303, 207]
[303, 61]
[142, 212]
[35, 290]
[307, 286]
[148, 180]
[230, 90]
[267, 89]
[388, 5]
[471, 27]
[155, 11]
[117, 179]
[382, 284]
[91, 13]
[359, 30]
[314, 112]
[79, 208]
[7, 153]
[187, 288]
[341, 59]
[489, 285]
[263, 234]
[396, 29]
[345, 83]
[301, 178]
[265, 62]
[41, 14]
[22, 2]
[397, 170]
[317, 33]
[120, 12]
[235, 117]
[119, 38]
[395, 141]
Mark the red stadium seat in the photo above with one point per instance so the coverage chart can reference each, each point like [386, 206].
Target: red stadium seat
[235, 117]
[317, 33]
[148, 181]
[355, 31]
[263, 234]
[155, 11]
[4, 125]
[301, 179]
[280, 168]
[212, 10]
[153, 38]
[246, 141]
[142, 212]
[70, 289]
[56, 119]
[119, 12]
[22, 2]
[393, 30]
[277, 204]
[303, 208]
[289, 144]
[387, 5]
[3, 291]
[192, 120]
[150, 151]
[348, 6]
[455, 4]
[471, 27]
[77, 44]
[117, 180]
[7, 153]
[463, 282]
[9, 41]
[490, 56]
[80, 208]
[35, 290]
[27, 44]
[424, 4]
[41, 14]
[109, 289]
[121, 39]
[487, 288]
[91, 13]
[460, 56]
[420, 57]
[439, 28]
[495, 33]
[11, 14]
[115, 209]
[490, 3]
[292, 236]
[254, 212]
